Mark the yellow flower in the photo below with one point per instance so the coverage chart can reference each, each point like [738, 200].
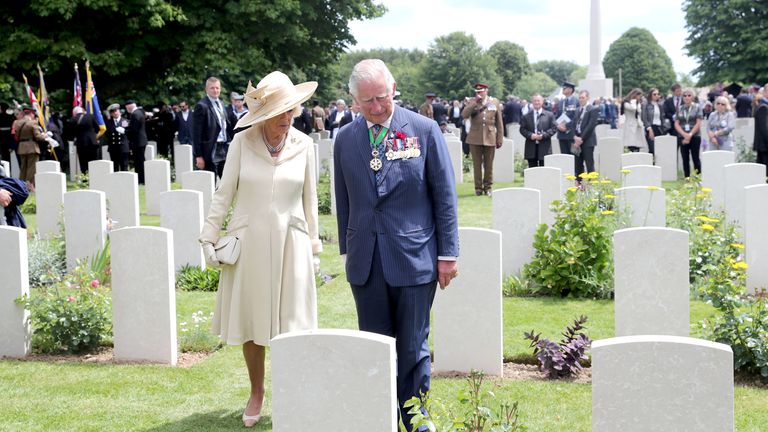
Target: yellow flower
[653, 187]
[706, 190]
[605, 182]
[702, 218]
[594, 175]
[570, 177]
[595, 200]
[707, 227]
[573, 189]
[607, 212]
[609, 196]
[713, 220]
[737, 245]
[700, 195]
[741, 265]
[584, 175]
[626, 171]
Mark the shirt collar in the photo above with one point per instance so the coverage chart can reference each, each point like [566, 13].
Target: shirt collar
[385, 124]
[213, 100]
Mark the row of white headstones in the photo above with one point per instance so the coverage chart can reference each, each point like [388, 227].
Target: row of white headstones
[144, 316]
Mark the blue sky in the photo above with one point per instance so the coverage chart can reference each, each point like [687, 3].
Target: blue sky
[547, 29]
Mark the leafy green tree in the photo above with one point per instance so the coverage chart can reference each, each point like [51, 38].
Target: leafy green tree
[455, 62]
[162, 49]
[535, 82]
[558, 70]
[643, 62]
[728, 38]
[511, 62]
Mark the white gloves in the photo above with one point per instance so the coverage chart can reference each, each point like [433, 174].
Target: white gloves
[120, 129]
[316, 263]
[50, 134]
[53, 143]
[210, 255]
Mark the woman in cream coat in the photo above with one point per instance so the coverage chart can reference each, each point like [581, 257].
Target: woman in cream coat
[633, 136]
[269, 177]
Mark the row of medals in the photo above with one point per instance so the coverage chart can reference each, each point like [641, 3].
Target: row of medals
[411, 150]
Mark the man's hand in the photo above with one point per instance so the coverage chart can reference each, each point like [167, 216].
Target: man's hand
[498, 146]
[577, 140]
[651, 134]
[5, 197]
[446, 271]
[561, 127]
[200, 162]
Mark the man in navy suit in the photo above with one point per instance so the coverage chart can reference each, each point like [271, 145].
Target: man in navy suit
[585, 139]
[397, 218]
[210, 142]
[183, 120]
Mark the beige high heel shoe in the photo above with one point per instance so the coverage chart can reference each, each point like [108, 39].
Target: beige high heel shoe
[250, 421]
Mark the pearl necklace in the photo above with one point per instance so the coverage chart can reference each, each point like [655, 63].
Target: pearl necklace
[273, 150]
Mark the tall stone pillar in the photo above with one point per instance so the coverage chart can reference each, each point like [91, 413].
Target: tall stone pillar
[596, 83]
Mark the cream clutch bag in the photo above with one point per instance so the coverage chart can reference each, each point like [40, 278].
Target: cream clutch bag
[227, 249]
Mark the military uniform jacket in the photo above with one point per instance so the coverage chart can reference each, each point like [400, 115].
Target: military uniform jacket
[569, 106]
[486, 123]
[116, 141]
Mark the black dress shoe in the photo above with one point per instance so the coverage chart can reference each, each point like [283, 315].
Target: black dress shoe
[478, 193]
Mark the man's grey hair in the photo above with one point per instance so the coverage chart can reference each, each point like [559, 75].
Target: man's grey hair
[212, 79]
[369, 70]
[341, 101]
[584, 91]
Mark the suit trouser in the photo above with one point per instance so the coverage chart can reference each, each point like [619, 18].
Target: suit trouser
[86, 154]
[482, 162]
[402, 313]
[762, 158]
[138, 162]
[587, 156]
[565, 146]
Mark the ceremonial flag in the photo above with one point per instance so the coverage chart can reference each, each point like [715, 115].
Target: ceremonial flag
[31, 94]
[42, 97]
[92, 102]
[77, 98]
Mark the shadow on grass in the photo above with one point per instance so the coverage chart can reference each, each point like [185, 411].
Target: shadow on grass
[220, 420]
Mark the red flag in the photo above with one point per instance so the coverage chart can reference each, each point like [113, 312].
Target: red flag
[77, 99]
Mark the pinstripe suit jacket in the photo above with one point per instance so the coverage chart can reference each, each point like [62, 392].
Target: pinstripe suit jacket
[413, 216]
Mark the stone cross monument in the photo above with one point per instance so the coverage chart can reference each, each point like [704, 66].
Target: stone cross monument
[596, 83]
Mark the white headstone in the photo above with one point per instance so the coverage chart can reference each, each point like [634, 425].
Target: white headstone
[517, 215]
[354, 371]
[641, 175]
[713, 176]
[122, 190]
[737, 176]
[315, 136]
[98, 170]
[325, 134]
[601, 130]
[15, 333]
[548, 181]
[201, 181]
[645, 205]
[150, 151]
[518, 139]
[555, 145]
[610, 157]
[50, 188]
[743, 135]
[636, 158]
[181, 211]
[85, 224]
[15, 168]
[324, 154]
[74, 164]
[47, 166]
[143, 295]
[651, 285]
[661, 383]
[478, 288]
[157, 180]
[665, 149]
[756, 236]
[105, 153]
[457, 158]
[504, 162]
[567, 165]
[182, 159]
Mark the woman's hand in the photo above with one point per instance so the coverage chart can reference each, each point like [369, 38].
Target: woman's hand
[210, 255]
[651, 136]
[316, 263]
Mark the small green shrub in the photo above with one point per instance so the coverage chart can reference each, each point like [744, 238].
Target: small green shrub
[196, 336]
[30, 205]
[575, 256]
[743, 152]
[518, 286]
[47, 261]
[193, 278]
[68, 320]
[477, 415]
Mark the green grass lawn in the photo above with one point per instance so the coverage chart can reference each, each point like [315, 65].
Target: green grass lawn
[210, 395]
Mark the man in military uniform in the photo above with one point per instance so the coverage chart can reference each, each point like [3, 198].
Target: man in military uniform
[486, 134]
[117, 141]
[568, 107]
[426, 108]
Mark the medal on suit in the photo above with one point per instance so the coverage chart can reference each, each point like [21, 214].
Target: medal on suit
[376, 143]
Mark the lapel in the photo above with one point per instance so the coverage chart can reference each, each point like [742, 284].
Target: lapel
[363, 145]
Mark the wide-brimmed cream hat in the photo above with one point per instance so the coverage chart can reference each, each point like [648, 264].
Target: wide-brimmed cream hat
[274, 95]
